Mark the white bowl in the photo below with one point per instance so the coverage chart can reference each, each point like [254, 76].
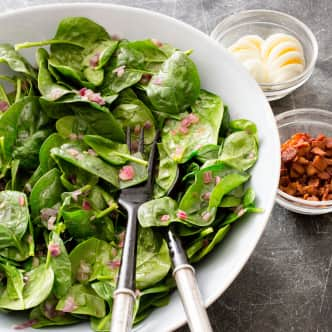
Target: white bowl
[221, 74]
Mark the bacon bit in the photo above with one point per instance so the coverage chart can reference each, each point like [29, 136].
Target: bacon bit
[94, 60]
[113, 265]
[207, 177]
[25, 325]
[157, 42]
[157, 80]
[181, 215]
[86, 205]
[288, 155]
[318, 151]
[3, 106]
[307, 175]
[218, 179]
[127, 173]
[50, 222]
[206, 216]
[165, 217]
[145, 78]
[119, 71]
[54, 249]
[206, 196]
[21, 201]
[70, 305]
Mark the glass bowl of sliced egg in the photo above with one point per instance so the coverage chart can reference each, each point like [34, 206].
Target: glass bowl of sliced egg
[277, 49]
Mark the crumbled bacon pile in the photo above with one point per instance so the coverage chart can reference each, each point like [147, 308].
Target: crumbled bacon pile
[306, 167]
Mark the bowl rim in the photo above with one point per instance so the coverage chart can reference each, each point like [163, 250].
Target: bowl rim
[313, 40]
[303, 203]
[208, 299]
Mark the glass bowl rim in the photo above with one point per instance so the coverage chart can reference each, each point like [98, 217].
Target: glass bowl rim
[303, 203]
[308, 68]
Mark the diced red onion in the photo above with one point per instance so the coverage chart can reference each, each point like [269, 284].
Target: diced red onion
[157, 42]
[206, 196]
[207, 177]
[218, 179]
[70, 305]
[73, 152]
[119, 71]
[147, 125]
[165, 217]
[206, 216]
[25, 325]
[21, 201]
[92, 152]
[183, 130]
[75, 194]
[50, 222]
[54, 249]
[181, 215]
[89, 95]
[3, 106]
[193, 118]
[86, 205]
[127, 173]
[113, 265]
[94, 60]
[157, 80]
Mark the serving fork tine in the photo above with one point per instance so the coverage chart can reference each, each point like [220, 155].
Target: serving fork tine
[130, 199]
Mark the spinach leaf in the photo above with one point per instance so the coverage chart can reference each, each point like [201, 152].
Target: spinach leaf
[14, 218]
[15, 61]
[217, 238]
[176, 86]
[76, 155]
[157, 212]
[240, 150]
[46, 192]
[113, 152]
[83, 301]
[61, 266]
[41, 318]
[167, 173]
[132, 112]
[104, 289]
[15, 283]
[153, 261]
[244, 125]
[37, 288]
[94, 259]
[182, 139]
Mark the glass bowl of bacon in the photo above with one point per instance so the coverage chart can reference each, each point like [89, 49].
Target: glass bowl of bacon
[305, 184]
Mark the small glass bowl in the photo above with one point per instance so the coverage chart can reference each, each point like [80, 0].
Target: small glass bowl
[264, 23]
[312, 121]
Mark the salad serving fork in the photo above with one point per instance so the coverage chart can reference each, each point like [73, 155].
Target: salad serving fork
[184, 274]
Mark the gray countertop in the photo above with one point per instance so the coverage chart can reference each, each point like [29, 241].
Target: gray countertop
[287, 283]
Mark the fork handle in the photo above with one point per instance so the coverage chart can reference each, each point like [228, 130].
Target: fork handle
[184, 275]
[124, 295]
[123, 309]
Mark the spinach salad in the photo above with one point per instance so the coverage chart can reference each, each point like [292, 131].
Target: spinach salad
[63, 160]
